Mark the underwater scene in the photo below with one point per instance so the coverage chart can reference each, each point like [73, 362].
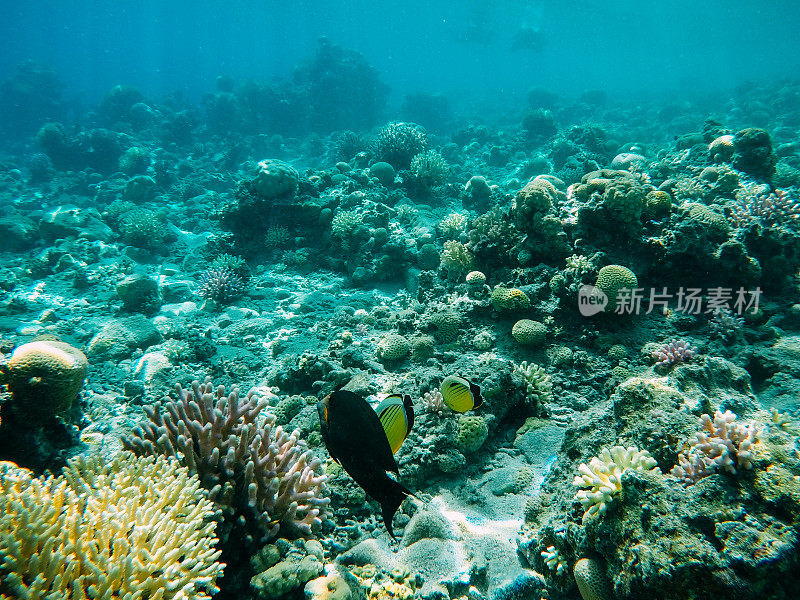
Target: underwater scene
[399, 301]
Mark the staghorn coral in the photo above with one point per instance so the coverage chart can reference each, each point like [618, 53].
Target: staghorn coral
[722, 445]
[135, 528]
[602, 477]
[252, 467]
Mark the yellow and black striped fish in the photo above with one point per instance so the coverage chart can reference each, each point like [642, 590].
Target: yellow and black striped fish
[396, 413]
[461, 395]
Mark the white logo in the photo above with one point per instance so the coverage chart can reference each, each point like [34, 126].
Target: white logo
[591, 300]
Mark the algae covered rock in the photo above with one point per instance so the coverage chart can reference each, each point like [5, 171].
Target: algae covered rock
[120, 337]
[275, 179]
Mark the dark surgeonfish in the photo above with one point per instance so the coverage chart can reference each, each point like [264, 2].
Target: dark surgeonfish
[396, 413]
[356, 439]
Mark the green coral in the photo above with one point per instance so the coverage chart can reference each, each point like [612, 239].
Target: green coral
[422, 347]
[287, 408]
[537, 382]
[344, 222]
[393, 347]
[229, 262]
[430, 168]
[143, 228]
[504, 298]
[613, 279]
[529, 333]
[456, 258]
[445, 325]
[613, 202]
[533, 201]
[275, 179]
[712, 221]
[472, 433]
[657, 204]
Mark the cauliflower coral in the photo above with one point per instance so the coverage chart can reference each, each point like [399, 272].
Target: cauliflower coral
[602, 477]
[722, 445]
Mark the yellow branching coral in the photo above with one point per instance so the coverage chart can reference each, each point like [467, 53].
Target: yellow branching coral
[135, 528]
[602, 477]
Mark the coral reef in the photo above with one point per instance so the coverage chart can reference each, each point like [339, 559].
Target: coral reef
[673, 353]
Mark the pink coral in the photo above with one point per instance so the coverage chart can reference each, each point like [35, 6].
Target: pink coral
[721, 445]
[673, 353]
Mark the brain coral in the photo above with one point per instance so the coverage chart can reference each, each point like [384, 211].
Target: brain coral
[44, 378]
[393, 347]
[612, 279]
[529, 333]
[504, 298]
[592, 582]
[275, 179]
[135, 528]
[472, 433]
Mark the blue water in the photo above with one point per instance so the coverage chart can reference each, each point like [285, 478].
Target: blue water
[461, 49]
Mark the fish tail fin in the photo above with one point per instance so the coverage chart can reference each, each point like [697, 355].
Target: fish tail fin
[395, 495]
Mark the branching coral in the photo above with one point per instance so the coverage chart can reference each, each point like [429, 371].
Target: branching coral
[221, 285]
[722, 445]
[538, 382]
[433, 401]
[554, 560]
[456, 258]
[774, 209]
[251, 466]
[673, 353]
[602, 477]
[136, 528]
